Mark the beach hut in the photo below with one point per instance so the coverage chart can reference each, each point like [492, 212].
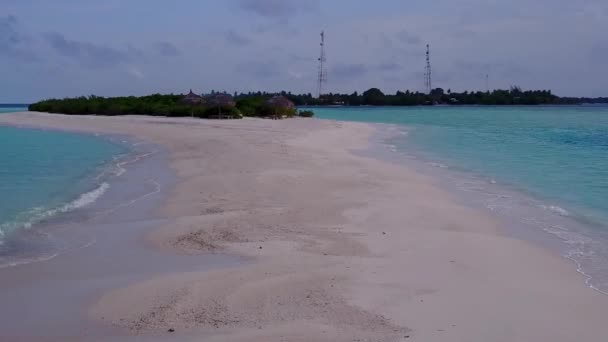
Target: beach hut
[223, 103]
[279, 106]
[192, 99]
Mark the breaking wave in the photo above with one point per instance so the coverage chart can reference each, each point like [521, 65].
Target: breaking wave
[29, 218]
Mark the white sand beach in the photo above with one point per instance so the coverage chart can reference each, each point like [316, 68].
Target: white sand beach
[336, 246]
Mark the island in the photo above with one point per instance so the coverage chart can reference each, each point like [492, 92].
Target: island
[221, 105]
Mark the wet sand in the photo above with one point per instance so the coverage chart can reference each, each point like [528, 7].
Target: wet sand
[328, 245]
[45, 298]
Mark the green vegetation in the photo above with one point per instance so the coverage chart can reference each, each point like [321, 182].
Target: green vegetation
[169, 105]
[375, 97]
[259, 106]
[219, 112]
[306, 113]
[277, 105]
[160, 105]
[250, 106]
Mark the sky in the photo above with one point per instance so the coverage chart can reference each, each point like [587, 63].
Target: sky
[66, 48]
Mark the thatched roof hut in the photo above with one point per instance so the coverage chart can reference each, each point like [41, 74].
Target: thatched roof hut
[221, 106]
[279, 106]
[280, 102]
[192, 99]
[221, 100]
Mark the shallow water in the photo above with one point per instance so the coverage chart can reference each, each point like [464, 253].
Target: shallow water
[102, 247]
[44, 173]
[543, 169]
[12, 108]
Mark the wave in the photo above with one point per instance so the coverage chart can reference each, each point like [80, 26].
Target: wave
[28, 261]
[116, 168]
[438, 165]
[29, 218]
[556, 209]
[86, 198]
[120, 166]
[581, 249]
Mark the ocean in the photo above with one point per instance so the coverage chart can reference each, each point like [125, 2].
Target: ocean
[44, 174]
[541, 169]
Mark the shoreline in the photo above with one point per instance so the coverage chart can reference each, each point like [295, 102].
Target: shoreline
[523, 215]
[29, 237]
[81, 205]
[346, 252]
[55, 291]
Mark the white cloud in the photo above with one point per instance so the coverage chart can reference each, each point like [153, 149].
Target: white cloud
[135, 72]
[295, 74]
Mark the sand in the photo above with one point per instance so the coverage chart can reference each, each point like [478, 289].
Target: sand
[337, 246]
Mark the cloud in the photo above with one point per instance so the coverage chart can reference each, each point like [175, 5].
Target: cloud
[398, 44]
[135, 72]
[393, 79]
[8, 33]
[348, 71]
[408, 38]
[469, 66]
[14, 44]
[461, 33]
[399, 39]
[477, 69]
[516, 42]
[167, 49]
[277, 9]
[295, 74]
[293, 57]
[237, 39]
[88, 54]
[266, 69]
[599, 51]
[390, 66]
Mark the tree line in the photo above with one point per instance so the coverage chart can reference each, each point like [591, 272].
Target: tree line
[165, 105]
[254, 103]
[375, 97]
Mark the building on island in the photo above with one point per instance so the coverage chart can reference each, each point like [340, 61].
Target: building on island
[192, 99]
[221, 104]
[221, 100]
[279, 107]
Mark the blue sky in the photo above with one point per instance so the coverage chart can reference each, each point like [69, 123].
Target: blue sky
[64, 48]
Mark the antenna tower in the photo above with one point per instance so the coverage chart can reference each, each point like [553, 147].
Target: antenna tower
[488, 83]
[428, 85]
[322, 72]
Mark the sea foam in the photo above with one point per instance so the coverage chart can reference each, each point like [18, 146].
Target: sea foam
[556, 209]
[35, 215]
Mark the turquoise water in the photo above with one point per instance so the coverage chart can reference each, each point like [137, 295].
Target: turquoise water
[558, 155]
[43, 173]
[11, 108]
